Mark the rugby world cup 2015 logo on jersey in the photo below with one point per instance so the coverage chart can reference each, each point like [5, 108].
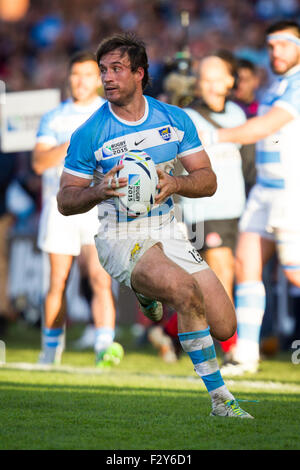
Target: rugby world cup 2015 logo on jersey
[134, 188]
[114, 149]
[107, 151]
[165, 133]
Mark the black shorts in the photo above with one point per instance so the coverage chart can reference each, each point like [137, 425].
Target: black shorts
[220, 233]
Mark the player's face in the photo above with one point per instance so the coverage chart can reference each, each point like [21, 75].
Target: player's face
[84, 81]
[214, 83]
[246, 85]
[283, 54]
[120, 83]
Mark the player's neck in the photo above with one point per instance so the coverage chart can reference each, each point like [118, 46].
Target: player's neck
[217, 106]
[133, 111]
[85, 102]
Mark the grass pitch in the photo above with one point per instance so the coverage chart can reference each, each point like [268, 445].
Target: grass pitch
[143, 404]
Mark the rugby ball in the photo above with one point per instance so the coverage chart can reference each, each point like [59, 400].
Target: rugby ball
[141, 189]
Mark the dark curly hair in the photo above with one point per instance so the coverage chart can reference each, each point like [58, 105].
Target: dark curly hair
[282, 25]
[127, 43]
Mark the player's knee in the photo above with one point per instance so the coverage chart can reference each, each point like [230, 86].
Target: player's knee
[100, 281]
[188, 299]
[228, 331]
[226, 275]
[226, 326]
[58, 283]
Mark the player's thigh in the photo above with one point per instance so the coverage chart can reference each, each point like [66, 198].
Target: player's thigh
[219, 310]
[221, 261]
[156, 276]
[89, 262]
[252, 253]
[60, 266]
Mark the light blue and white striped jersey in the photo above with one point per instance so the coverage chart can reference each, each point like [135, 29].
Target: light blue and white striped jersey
[165, 132]
[228, 202]
[56, 128]
[278, 155]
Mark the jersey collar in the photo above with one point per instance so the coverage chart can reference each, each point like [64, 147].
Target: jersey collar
[292, 71]
[132, 123]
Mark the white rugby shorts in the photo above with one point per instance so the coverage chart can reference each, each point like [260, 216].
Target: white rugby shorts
[273, 214]
[118, 256]
[66, 234]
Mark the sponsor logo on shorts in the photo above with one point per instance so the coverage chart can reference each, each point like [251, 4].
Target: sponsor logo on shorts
[135, 250]
[165, 133]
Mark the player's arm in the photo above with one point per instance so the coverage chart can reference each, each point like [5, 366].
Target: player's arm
[256, 128]
[76, 196]
[45, 156]
[201, 180]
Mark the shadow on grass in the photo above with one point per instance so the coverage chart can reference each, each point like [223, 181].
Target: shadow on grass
[58, 416]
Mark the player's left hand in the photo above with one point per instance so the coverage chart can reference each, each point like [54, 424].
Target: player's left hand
[167, 186]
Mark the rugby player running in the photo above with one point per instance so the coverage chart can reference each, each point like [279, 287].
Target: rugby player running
[164, 268]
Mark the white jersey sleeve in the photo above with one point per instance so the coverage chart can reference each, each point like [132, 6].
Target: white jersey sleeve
[46, 133]
[290, 99]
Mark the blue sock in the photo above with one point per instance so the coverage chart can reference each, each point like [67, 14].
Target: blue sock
[250, 302]
[53, 344]
[200, 347]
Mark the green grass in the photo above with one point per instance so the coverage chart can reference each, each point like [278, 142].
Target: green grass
[142, 404]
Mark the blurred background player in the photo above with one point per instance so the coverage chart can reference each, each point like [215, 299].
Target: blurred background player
[7, 167]
[245, 95]
[271, 220]
[65, 237]
[247, 84]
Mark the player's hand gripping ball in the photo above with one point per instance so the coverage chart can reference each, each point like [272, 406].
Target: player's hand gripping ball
[140, 192]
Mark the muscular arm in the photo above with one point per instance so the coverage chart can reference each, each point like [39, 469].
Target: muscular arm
[201, 181]
[76, 196]
[256, 128]
[45, 156]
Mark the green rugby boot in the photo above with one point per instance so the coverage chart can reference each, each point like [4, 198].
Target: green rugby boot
[230, 409]
[152, 309]
[112, 356]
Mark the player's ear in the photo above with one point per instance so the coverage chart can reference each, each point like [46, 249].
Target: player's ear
[140, 73]
[230, 81]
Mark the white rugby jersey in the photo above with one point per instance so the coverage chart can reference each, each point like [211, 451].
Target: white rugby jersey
[56, 128]
[165, 132]
[278, 156]
[228, 202]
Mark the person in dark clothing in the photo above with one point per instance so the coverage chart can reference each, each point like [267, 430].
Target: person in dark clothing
[7, 166]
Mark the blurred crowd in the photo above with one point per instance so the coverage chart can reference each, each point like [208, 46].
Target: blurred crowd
[35, 49]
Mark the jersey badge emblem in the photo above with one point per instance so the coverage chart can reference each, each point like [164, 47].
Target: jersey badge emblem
[165, 133]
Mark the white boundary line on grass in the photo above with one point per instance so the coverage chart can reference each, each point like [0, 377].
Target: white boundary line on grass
[254, 384]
